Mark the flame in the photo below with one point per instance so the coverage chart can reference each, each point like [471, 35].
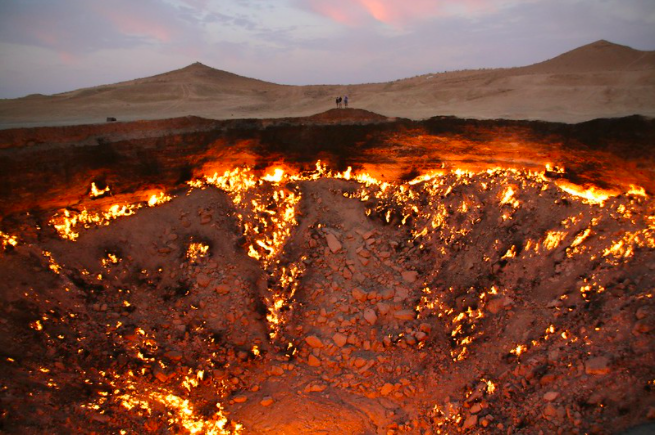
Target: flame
[276, 177]
[511, 253]
[507, 197]
[8, 240]
[158, 199]
[625, 246]
[553, 239]
[581, 238]
[110, 259]
[95, 192]
[519, 349]
[196, 251]
[591, 195]
[556, 169]
[491, 387]
[637, 191]
[54, 266]
[67, 223]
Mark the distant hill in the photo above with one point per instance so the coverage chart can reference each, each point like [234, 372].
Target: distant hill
[601, 79]
[600, 56]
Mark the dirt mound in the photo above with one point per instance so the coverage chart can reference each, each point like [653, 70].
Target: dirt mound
[344, 116]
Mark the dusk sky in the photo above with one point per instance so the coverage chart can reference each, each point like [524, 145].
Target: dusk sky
[51, 46]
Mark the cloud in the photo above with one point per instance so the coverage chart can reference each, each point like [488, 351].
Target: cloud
[398, 13]
[80, 27]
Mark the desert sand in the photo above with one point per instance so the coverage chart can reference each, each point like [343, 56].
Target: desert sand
[598, 80]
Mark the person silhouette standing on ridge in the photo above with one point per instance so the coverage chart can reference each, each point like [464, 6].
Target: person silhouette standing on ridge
[345, 101]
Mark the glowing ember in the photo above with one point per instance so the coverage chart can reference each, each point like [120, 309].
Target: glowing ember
[157, 199]
[8, 240]
[591, 195]
[553, 239]
[508, 197]
[67, 223]
[637, 191]
[95, 192]
[196, 251]
[56, 268]
[180, 411]
[110, 259]
[518, 350]
[276, 177]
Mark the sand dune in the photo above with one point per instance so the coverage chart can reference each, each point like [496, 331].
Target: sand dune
[601, 79]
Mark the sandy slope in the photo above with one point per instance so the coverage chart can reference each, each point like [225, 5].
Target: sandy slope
[597, 80]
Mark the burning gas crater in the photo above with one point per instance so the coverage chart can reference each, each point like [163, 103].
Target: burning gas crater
[298, 302]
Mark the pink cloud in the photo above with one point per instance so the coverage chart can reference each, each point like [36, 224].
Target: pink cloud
[67, 58]
[399, 13]
[342, 11]
[135, 22]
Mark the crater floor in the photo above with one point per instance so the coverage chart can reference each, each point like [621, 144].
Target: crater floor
[335, 303]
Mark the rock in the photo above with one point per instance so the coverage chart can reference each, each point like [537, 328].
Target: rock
[173, 355]
[470, 422]
[550, 411]
[312, 361]
[404, 314]
[314, 341]
[277, 371]
[401, 294]
[359, 294]
[548, 378]
[266, 401]
[386, 389]
[339, 339]
[370, 316]
[421, 336]
[383, 308]
[495, 305]
[550, 396]
[203, 280]
[475, 408]
[359, 362]
[333, 243]
[387, 294]
[410, 276]
[364, 253]
[643, 312]
[643, 326]
[240, 399]
[315, 387]
[222, 289]
[161, 375]
[597, 366]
